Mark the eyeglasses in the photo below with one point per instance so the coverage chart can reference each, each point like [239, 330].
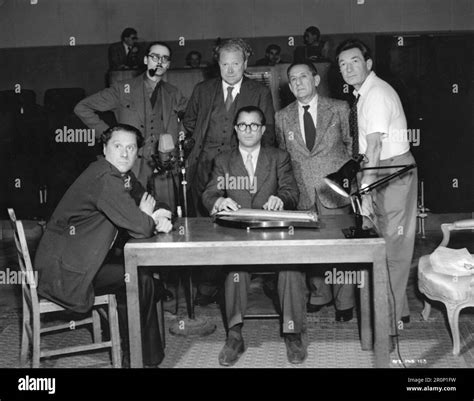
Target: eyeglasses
[158, 57]
[253, 127]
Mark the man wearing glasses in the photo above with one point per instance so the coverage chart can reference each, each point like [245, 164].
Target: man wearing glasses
[256, 177]
[149, 104]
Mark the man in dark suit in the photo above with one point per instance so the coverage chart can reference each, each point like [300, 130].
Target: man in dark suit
[315, 131]
[258, 177]
[151, 105]
[71, 258]
[208, 118]
[124, 54]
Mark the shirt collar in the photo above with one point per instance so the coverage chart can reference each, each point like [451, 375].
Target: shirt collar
[236, 86]
[313, 103]
[254, 153]
[366, 85]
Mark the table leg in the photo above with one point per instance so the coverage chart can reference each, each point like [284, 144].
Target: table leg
[365, 313]
[381, 312]
[133, 311]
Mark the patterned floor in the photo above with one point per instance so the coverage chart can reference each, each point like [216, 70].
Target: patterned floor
[330, 344]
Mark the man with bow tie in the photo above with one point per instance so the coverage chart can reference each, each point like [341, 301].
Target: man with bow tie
[73, 258]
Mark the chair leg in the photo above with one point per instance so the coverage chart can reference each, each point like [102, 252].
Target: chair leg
[425, 313]
[96, 327]
[114, 332]
[36, 340]
[453, 318]
[25, 339]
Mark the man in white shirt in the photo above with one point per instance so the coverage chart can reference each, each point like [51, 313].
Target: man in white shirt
[315, 131]
[382, 138]
[256, 177]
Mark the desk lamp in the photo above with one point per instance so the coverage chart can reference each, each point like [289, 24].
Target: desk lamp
[340, 182]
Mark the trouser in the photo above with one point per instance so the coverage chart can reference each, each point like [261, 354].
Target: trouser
[110, 280]
[322, 291]
[395, 210]
[290, 292]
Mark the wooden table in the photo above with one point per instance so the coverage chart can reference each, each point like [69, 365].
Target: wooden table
[200, 242]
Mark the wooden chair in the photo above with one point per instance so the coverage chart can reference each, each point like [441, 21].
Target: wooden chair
[34, 307]
[455, 292]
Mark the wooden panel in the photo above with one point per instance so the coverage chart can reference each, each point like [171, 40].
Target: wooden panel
[227, 18]
[463, 15]
[277, 18]
[37, 25]
[141, 15]
[424, 15]
[176, 18]
[84, 20]
[7, 21]
[376, 16]
[330, 16]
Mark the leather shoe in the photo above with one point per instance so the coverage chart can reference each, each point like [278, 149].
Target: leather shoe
[204, 300]
[406, 319]
[310, 308]
[295, 350]
[344, 315]
[233, 348]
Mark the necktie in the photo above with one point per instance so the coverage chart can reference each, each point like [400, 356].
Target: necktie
[229, 99]
[309, 128]
[154, 95]
[249, 166]
[354, 127]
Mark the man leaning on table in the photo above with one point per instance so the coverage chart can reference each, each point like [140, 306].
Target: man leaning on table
[257, 177]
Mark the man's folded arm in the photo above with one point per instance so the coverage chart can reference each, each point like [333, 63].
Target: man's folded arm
[117, 204]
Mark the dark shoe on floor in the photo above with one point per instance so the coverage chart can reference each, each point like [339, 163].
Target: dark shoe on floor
[310, 308]
[204, 300]
[233, 348]
[406, 319]
[344, 315]
[295, 349]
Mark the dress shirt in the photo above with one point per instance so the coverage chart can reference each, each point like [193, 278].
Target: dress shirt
[380, 110]
[235, 91]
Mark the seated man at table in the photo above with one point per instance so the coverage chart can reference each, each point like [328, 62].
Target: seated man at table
[72, 257]
[257, 177]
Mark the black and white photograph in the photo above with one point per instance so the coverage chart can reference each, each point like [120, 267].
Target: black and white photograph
[202, 199]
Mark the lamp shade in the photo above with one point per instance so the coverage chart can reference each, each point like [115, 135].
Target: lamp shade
[341, 180]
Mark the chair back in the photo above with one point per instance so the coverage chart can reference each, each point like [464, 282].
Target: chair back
[28, 276]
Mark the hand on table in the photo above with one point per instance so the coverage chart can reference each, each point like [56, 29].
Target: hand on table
[273, 203]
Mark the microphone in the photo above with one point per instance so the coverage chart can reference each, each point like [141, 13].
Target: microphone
[165, 156]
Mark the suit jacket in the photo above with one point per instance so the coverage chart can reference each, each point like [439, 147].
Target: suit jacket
[273, 176]
[81, 231]
[198, 113]
[332, 148]
[117, 55]
[127, 100]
